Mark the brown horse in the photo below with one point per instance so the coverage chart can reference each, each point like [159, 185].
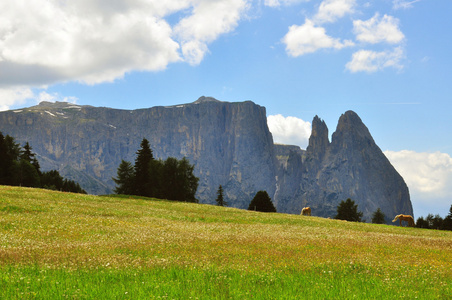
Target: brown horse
[306, 211]
[406, 218]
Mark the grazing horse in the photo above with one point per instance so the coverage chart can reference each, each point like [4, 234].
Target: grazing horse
[306, 211]
[406, 218]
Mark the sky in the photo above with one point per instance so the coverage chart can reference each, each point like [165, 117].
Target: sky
[388, 60]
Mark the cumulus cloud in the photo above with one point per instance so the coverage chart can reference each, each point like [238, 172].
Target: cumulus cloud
[428, 176]
[208, 20]
[372, 61]
[377, 30]
[47, 41]
[14, 96]
[308, 38]
[331, 10]
[289, 130]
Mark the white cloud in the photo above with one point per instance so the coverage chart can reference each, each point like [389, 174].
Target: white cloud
[428, 176]
[308, 38]
[24, 95]
[208, 20]
[331, 10]
[14, 96]
[277, 3]
[44, 96]
[47, 41]
[289, 130]
[403, 4]
[372, 61]
[377, 30]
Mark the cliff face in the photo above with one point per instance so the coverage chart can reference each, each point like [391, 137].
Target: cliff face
[351, 166]
[229, 144]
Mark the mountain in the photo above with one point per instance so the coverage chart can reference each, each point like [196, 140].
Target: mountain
[351, 166]
[229, 144]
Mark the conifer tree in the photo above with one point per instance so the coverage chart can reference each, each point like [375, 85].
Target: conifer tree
[178, 181]
[347, 210]
[378, 217]
[220, 198]
[447, 223]
[125, 179]
[143, 184]
[262, 202]
[30, 157]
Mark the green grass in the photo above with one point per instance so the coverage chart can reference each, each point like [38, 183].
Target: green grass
[60, 245]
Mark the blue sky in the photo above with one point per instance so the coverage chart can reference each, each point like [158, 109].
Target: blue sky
[388, 60]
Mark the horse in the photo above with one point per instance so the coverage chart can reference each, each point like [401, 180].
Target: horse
[306, 211]
[406, 218]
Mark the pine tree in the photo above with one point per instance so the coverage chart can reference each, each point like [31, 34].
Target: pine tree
[189, 182]
[5, 162]
[143, 184]
[9, 158]
[262, 202]
[169, 180]
[422, 223]
[378, 217]
[125, 179]
[178, 181]
[30, 157]
[220, 198]
[347, 210]
[447, 223]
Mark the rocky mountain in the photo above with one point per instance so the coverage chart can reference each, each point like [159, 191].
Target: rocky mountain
[351, 166]
[229, 144]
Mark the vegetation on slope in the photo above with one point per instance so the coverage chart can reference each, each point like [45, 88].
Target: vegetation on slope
[58, 245]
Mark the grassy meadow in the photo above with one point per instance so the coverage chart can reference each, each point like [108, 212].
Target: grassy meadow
[59, 245]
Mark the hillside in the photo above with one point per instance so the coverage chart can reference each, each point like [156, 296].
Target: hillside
[229, 144]
[60, 245]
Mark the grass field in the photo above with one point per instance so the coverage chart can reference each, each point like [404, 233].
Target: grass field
[59, 245]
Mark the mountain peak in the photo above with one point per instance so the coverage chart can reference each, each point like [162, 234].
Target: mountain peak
[318, 141]
[204, 99]
[351, 124]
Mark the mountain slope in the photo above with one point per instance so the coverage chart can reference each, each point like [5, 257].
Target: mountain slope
[229, 144]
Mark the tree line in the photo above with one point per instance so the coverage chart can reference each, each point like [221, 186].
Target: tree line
[170, 179]
[435, 222]
[20, 167]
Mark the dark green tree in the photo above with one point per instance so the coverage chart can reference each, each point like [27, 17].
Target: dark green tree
[189, 182]
[52, 180]
[434, 222]
[170, 178]
[178, 181]
[125, 179]
[143, 184]
[422, 223]
[29, 156]
[72, 187]
[9, 158]
[25, 174]
[262, 202]
[447, 223]
[378, 217]
[348, 210]
[5, 161]
[220, 198]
